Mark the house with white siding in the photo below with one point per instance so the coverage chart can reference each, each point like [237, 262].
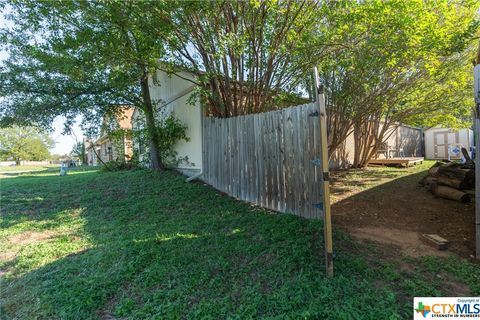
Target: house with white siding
[171, 95]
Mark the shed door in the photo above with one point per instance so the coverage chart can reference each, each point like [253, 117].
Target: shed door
[454, 141]
[440, 144]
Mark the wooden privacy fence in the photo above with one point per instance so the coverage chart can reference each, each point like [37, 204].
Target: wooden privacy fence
[266, 159]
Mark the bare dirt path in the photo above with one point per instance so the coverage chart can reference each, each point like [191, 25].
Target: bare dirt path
[387, 205]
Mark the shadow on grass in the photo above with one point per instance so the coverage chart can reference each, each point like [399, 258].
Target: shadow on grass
[40, 197]
[155, 246]
[403, 204]
[397, 210]
[30, 173]
[23, 173]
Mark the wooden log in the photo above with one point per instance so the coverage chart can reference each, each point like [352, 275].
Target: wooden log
[450, 193]
[452, 182]
[467, 176]
[452, 171]
[433, 171]
[470, 179]
[438, 164]
[428, 180]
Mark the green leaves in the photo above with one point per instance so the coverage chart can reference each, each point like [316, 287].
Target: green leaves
[169, 131]
[247, 53]
[395, 60]
[73, 57]
[403, 61]
[26, 143]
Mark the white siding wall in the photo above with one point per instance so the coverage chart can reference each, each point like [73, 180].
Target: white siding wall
[163, 90]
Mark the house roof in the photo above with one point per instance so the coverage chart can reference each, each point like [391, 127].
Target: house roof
[123, 119]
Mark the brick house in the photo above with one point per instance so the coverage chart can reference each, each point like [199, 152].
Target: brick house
[115, 141]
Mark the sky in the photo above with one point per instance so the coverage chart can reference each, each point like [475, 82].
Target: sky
[63, 143]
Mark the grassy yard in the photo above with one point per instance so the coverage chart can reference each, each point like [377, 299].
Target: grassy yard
[386, 204]
[347, 183]
[142, 245]
[29, 168]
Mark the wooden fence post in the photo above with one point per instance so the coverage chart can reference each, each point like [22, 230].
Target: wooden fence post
[325, 176]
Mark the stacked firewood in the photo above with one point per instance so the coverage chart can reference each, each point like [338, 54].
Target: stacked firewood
[452, 180]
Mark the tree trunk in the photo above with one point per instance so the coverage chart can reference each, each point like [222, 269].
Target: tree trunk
[17, 161]
[155, 159]
[84, 155]
[356, 145]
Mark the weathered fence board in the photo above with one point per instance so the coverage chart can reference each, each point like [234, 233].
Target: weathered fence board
[266, 158]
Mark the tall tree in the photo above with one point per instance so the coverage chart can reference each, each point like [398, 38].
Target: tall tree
[409, 64]
[24, 143]
[79, 57]
[250, 56]
[78, 150]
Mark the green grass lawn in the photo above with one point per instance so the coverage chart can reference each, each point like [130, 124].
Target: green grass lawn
[29, 167]
[25, 170]
[145, 245]
[348, 182]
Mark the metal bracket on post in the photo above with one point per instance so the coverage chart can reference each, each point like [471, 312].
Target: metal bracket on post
[318, 205]
[326, 176]
[321, 105]
[320, 89]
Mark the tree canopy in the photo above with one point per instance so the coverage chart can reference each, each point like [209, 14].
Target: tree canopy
[24, 143]
[380, 61]
[249, 55]
[409, 64]
[78, 57]
[78, 151]
[88, 57]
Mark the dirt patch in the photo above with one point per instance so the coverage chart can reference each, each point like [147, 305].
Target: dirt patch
[31, 236]
[7, 256]
[7, 259]
[397, 210]
[408, 241]
[458, 289]
[104, 313]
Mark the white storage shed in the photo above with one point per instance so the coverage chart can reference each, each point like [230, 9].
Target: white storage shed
[446, 143]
